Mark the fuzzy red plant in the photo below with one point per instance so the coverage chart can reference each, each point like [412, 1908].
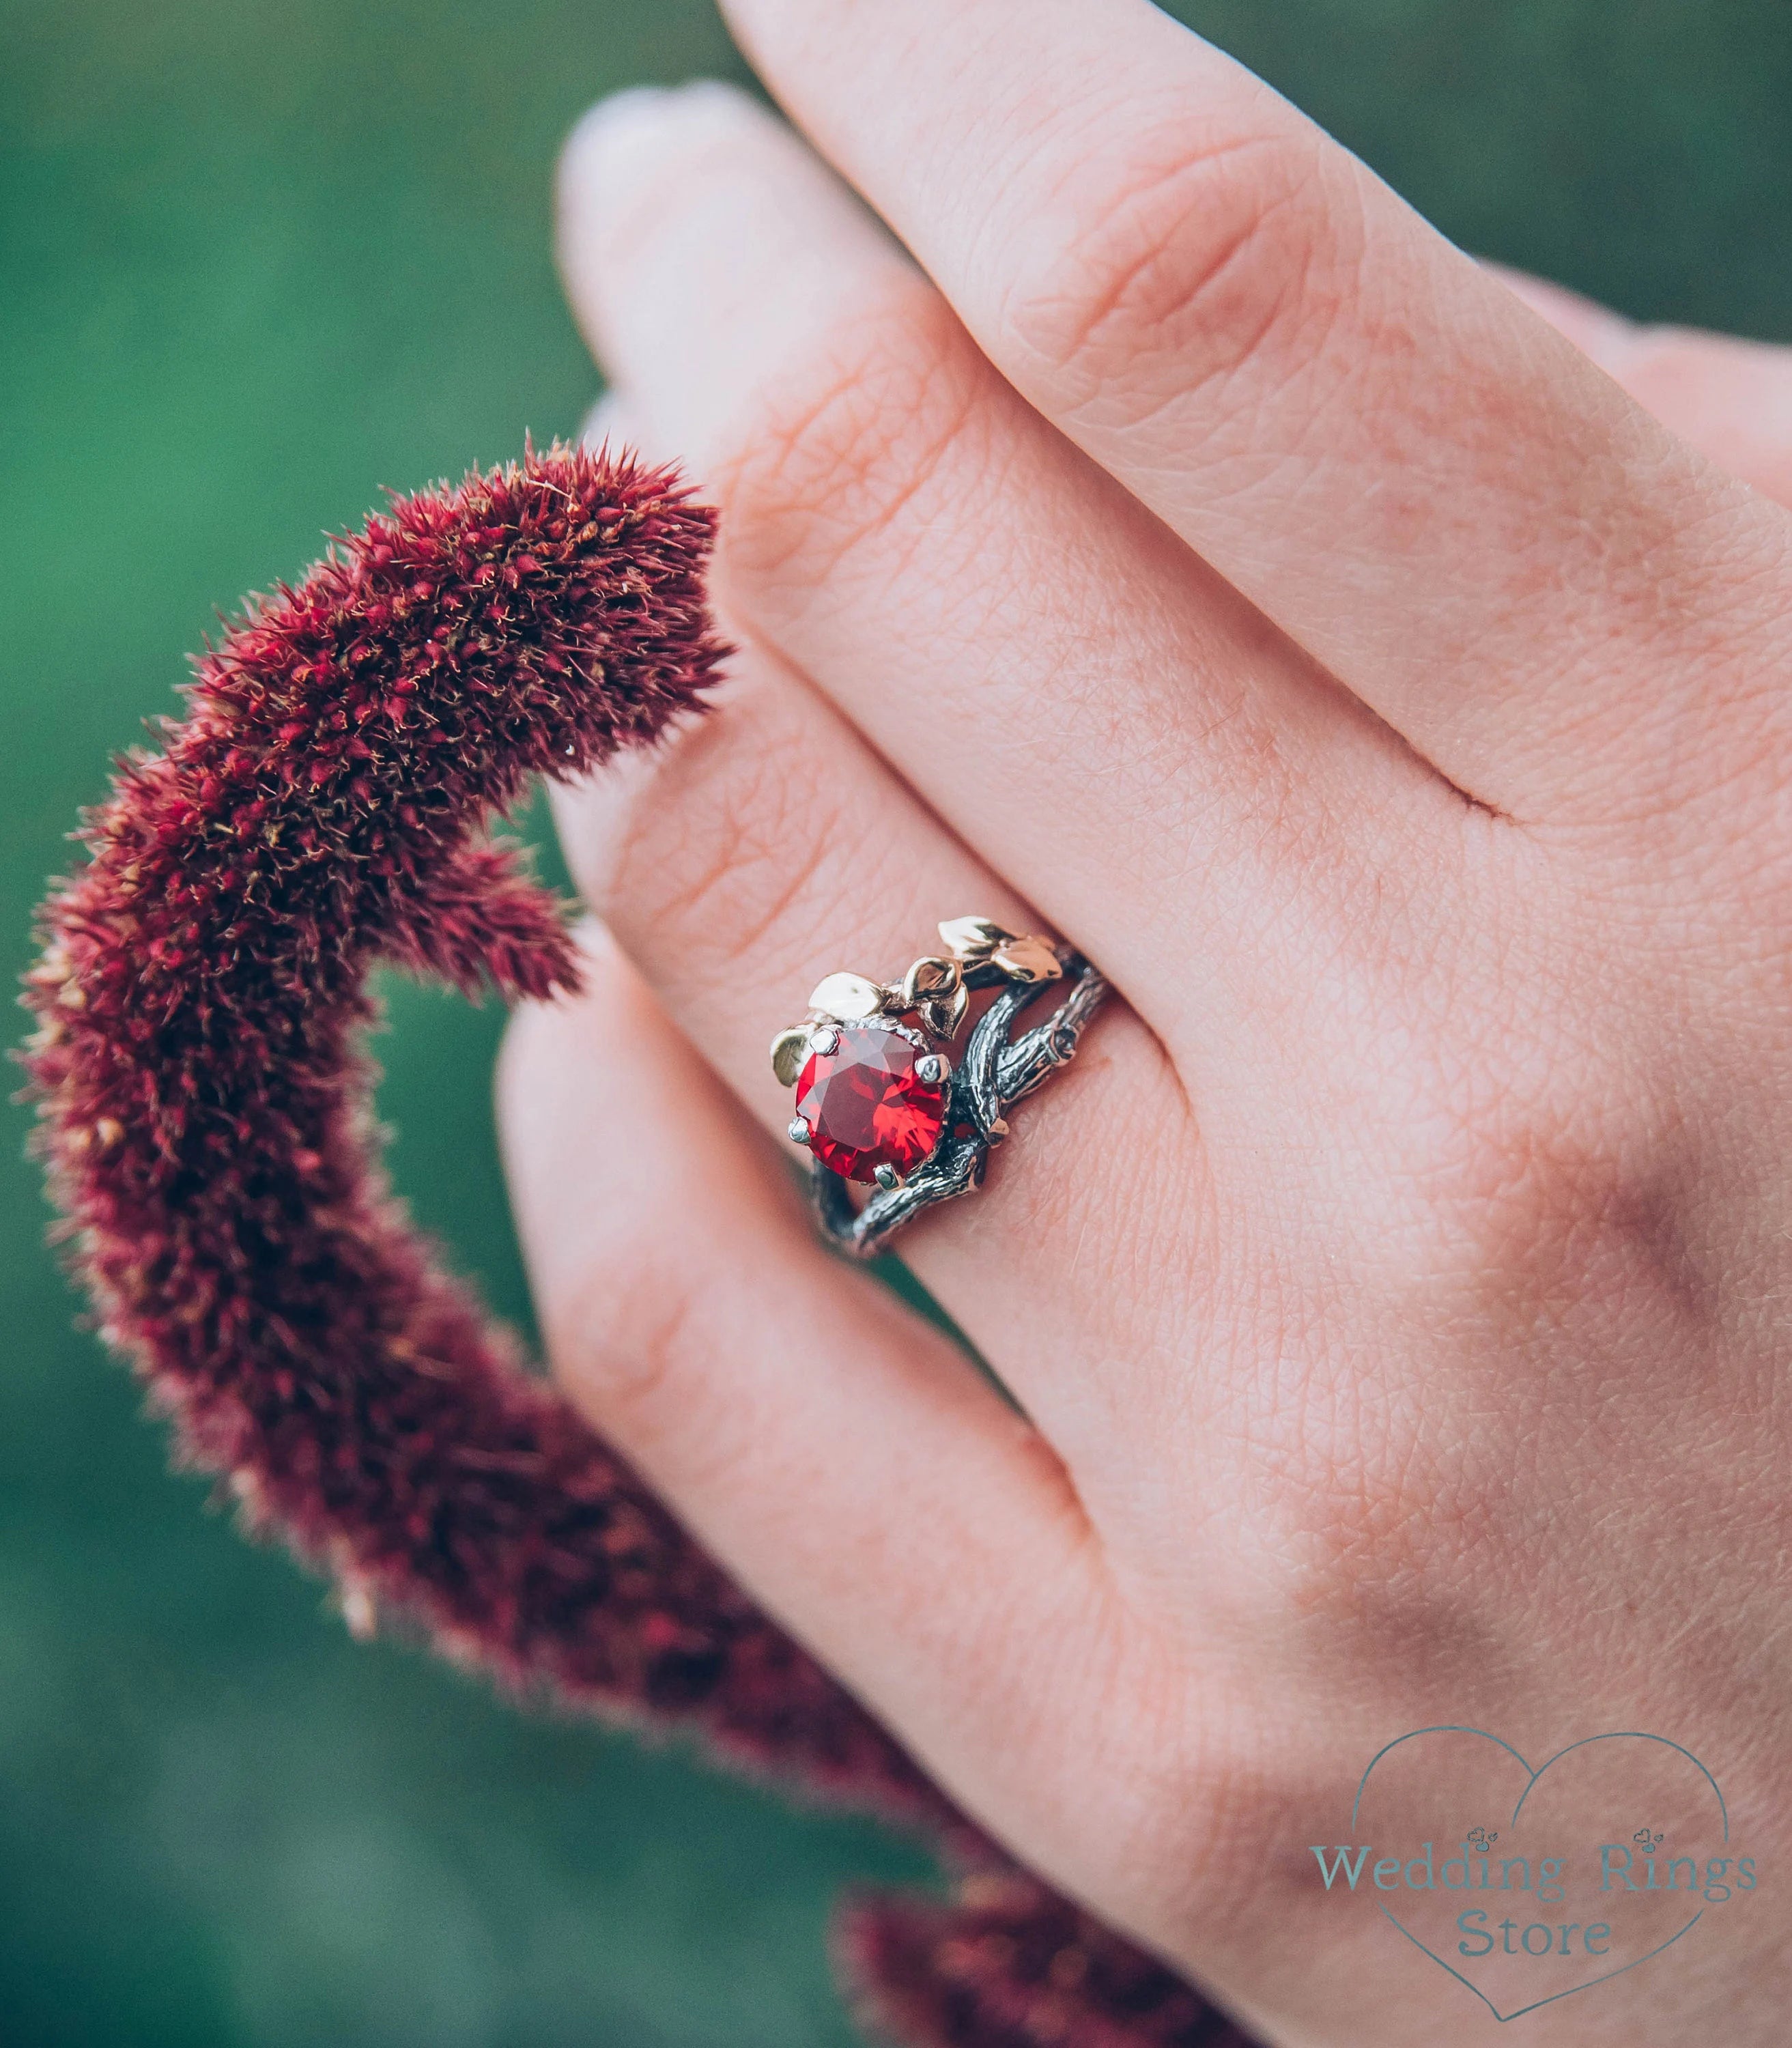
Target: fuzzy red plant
[1007, 1963]
[203, 1085]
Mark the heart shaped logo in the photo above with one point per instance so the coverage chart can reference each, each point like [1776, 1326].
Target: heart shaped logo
[1529, 1883]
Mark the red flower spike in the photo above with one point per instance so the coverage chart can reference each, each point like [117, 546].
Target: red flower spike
[1010, 1964]
[203, 1091]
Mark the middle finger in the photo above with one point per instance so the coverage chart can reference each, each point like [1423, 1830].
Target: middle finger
[1089, 706]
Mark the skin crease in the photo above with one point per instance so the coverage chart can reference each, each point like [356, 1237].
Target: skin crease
[1171, 542]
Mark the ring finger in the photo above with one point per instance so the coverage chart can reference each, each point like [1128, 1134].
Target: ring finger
[768, 846]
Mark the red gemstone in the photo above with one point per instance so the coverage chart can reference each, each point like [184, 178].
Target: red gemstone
[867, 1106]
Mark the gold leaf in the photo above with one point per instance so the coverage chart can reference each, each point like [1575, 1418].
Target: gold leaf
[930, 978]
[789, 1050]
[848, 996]
[942, 1014]
[971, 938]
[1027, 960]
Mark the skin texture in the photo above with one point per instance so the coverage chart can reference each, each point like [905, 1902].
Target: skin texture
[1137, 523]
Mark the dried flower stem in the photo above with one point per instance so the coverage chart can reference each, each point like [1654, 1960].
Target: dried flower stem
[203, 1087]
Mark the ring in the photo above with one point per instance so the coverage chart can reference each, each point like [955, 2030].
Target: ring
[880, 1101]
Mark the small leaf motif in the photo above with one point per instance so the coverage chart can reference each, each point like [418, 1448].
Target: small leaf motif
[789, 1050]
[1027, 960]
[969, 939]
[849, 997]
[942, 1014]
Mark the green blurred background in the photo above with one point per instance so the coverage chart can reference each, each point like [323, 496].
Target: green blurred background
[258, 258]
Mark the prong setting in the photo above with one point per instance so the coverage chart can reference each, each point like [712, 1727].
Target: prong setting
[798, 1132]
[886, 1177]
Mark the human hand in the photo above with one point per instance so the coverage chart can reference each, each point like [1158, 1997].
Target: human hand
[1204, 561]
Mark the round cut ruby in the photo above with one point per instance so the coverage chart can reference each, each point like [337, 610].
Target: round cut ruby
[867, 1106]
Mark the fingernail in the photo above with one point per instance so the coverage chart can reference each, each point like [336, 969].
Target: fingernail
[597, 153]
[622, 137]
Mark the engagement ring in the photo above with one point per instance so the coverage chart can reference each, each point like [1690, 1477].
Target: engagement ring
[881, 1102]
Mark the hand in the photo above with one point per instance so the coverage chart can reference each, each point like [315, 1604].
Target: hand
[1189, 552]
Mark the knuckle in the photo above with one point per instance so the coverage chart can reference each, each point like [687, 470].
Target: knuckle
[628, 1343]
[835, 449]
[1552, 1202]
[1539, 1243]
[1178, 265]
[719, 871]
[723, 876]
[1172, 1742]
[726, 869]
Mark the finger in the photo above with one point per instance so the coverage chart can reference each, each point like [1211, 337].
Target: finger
[1731, 398]
[1077, 695]
[759, 850]
[1365, 433]
[766, 846]
[853, 1471]
[659, 244]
